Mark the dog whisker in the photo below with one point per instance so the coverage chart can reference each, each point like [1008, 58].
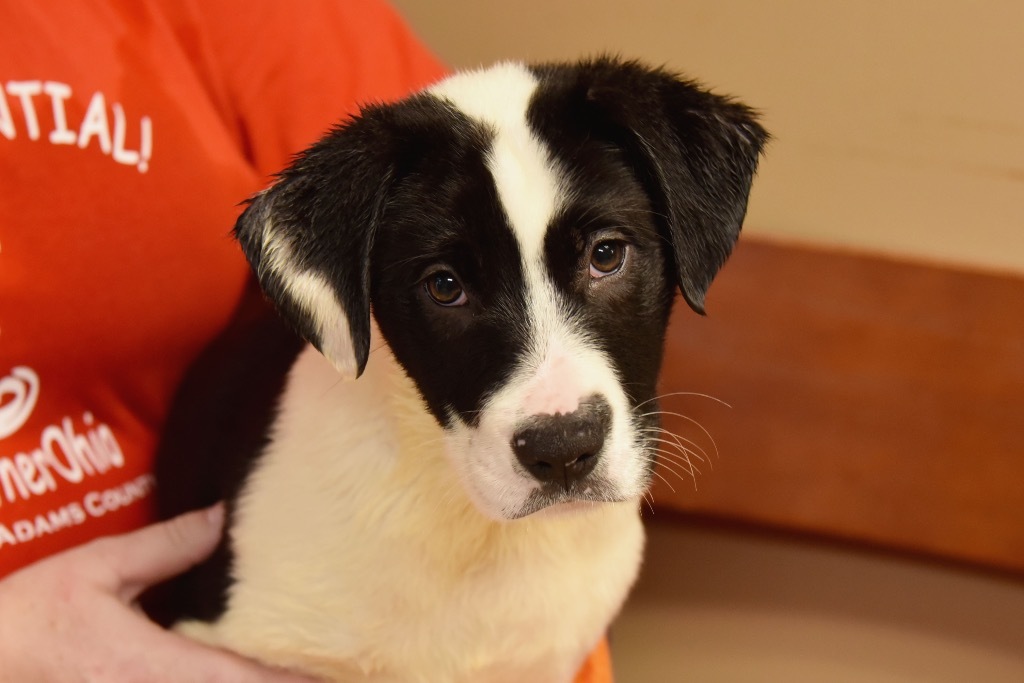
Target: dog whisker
[665, 463]
[681, 459]
[683, 393]
[683, 451]
[679, 441]
[667, 483]
[689, 419]
[665, 469]
[649, 499]
[658, 455]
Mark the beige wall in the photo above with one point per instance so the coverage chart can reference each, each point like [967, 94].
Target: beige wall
[899, 124]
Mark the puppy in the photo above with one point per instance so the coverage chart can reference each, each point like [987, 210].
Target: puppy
[496, 259]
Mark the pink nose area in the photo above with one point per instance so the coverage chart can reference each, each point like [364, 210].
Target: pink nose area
[554, 389]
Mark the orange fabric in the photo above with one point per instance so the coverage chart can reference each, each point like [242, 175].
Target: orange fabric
[129, 132]
[598, 668]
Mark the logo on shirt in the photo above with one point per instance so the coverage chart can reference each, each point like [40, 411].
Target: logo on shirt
[19, 392]
[68, 453]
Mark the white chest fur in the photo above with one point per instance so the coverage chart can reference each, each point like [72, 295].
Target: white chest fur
[360, 558]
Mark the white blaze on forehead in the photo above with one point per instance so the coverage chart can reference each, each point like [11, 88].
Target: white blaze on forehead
[530, 189]
[525, 175]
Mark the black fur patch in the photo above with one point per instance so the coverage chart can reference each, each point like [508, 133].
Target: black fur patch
[443, 213]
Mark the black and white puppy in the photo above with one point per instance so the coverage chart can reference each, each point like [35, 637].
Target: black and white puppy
[468, 510]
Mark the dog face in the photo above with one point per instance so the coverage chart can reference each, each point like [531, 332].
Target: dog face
[519, 234]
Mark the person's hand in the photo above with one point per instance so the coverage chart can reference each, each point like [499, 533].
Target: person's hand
[72, 617]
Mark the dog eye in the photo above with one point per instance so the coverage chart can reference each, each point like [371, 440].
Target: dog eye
[607, 258]
[445, 289]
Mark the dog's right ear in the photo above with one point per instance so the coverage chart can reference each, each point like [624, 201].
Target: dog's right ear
[309, 237]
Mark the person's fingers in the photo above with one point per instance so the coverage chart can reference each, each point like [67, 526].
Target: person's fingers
[157, 552]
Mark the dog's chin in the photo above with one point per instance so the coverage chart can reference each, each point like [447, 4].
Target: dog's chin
[554, 501]
[551, 501]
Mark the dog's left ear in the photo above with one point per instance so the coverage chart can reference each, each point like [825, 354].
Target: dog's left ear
[695, 152]
[309, 237]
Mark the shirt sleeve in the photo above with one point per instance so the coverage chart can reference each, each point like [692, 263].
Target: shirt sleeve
[283, 72]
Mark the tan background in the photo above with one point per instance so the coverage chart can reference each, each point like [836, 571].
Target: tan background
[899, 129]
[899, 125]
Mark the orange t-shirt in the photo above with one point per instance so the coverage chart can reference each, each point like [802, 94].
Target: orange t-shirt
[129, 132]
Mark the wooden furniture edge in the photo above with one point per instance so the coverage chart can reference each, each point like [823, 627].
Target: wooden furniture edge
[871, 399]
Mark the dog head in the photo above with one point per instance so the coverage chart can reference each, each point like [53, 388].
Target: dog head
[519, 233]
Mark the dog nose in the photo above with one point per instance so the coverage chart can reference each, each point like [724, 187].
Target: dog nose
[564, 447]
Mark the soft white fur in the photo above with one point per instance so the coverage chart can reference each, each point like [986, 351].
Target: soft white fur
[361, 558]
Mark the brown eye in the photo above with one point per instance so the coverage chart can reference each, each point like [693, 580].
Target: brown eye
[607, 258]
[444, 288]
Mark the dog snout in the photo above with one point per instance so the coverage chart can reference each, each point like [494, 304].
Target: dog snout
[564, 448]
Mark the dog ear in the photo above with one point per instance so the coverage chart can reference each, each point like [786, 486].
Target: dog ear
[309, 237]
[696, 154]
